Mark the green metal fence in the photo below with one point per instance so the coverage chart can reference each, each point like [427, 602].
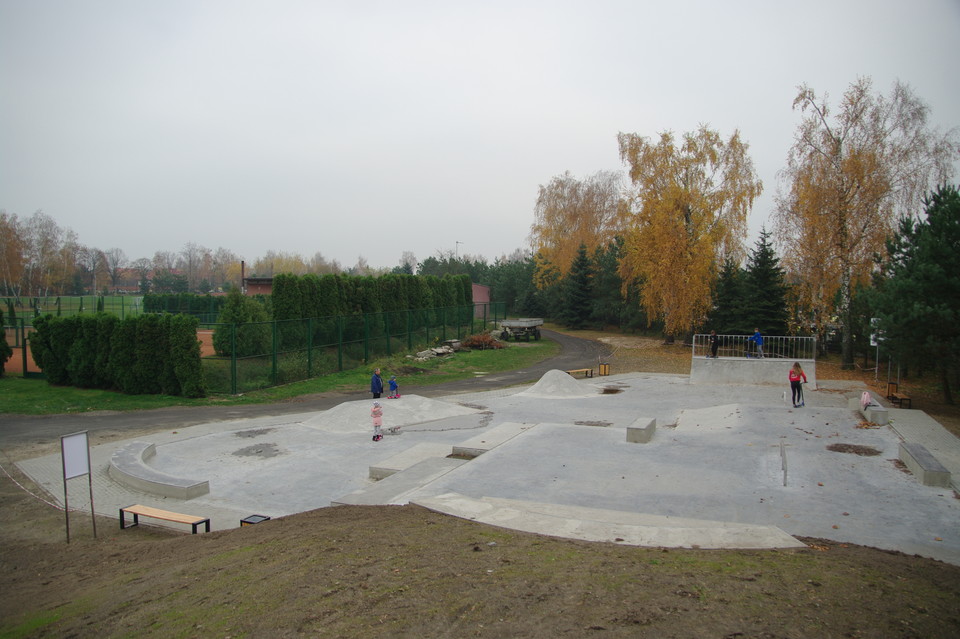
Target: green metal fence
[259, 355]
[26, 308]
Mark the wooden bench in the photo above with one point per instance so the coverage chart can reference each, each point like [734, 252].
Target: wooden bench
[137, 510]
[587, 372]
[899, 399]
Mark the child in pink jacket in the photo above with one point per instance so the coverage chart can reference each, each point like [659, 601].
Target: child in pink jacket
[377, 413]
[796, 390]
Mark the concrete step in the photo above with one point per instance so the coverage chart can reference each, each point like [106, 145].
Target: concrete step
[394, 489]
[594, 524]
[476, 446]
[407, 458]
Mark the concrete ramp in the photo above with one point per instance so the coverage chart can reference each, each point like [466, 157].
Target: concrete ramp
[476, 446]
[749, 371]
[592, 524]
[407, 458]
[354, 417]
[394, 490]
[556, 384]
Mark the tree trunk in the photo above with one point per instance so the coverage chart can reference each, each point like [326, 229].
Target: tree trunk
[945, 382]
[846, 316]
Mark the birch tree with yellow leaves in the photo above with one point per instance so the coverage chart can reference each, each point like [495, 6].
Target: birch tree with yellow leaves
[688, 213]
[569, 213]
[850, 177]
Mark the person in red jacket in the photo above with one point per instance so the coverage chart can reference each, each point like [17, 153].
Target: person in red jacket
[797, 377]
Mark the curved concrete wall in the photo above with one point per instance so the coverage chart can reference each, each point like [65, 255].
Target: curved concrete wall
[740, 370]
[129, 466]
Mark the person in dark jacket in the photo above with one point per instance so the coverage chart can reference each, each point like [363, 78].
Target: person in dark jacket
[714, 344]
[376, 384]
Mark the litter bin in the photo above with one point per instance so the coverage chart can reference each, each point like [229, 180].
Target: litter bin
[604, 369]
[253, 519]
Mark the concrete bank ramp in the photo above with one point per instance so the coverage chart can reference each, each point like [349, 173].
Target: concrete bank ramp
[594, 524]
[351, 417]
[725, 417]
[556, 384]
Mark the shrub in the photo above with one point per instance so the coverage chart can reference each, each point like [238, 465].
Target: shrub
[81, 363]
[5, 351]
[123, 355]
[50, 345]
[254, 336]
[481, 341]
[185, 356]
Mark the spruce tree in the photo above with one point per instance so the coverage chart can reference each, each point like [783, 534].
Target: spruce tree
[766, 293]
[729, 315]
[576, 292]
[917, 303]
[607, 299]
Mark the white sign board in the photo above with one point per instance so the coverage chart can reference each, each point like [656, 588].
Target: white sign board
[76, 456]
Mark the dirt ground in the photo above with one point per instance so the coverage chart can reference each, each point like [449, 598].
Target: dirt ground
[406, 572]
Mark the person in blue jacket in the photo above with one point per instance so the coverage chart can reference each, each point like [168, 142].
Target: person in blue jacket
[376, 384]
[758, 339]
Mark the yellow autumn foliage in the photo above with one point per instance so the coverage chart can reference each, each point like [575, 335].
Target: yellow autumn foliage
[571, 212]
[688, 214]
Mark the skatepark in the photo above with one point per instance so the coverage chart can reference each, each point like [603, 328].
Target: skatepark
[638, 458]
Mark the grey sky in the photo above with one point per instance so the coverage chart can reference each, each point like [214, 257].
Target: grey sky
[373, 128]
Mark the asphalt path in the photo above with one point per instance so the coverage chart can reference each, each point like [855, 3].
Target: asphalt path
[18, 430]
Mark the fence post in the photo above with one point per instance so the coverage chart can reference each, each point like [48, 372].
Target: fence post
[386, 325]
[310, 347]
[23, 345]
[233, 358]
[273, 375]
[339, 342]
[409, 336]
[366, 337]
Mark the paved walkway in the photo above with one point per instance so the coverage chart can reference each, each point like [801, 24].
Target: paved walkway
[556, 460]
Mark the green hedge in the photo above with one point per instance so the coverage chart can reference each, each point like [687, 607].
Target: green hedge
[148, 354]
[5, 351]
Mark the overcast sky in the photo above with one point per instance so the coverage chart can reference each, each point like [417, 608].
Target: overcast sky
[373, 128]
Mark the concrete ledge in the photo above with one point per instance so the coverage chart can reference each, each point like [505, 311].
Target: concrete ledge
[874, 413]
[128, 466]
[476, 446]
[641, 431]
[748, 370]
[407, 458]
[393, 490]
[924, 465]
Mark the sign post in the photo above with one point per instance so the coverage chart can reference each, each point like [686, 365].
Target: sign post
[75, 451]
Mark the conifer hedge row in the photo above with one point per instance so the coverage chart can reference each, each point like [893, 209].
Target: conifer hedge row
[5, 350]
[311, 296]
[147, 354]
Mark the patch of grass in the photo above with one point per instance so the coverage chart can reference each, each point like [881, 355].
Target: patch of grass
[37, 397]
[29, 626]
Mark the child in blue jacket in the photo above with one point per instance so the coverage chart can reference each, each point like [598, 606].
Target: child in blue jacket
[758, 339]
